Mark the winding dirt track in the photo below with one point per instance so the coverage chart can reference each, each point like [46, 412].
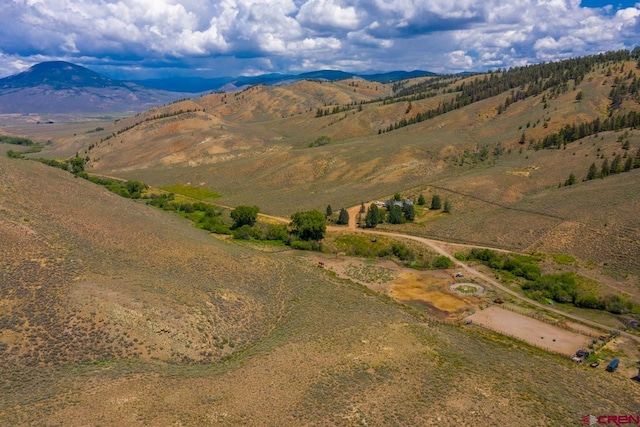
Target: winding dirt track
[437, 247]
[434, 245]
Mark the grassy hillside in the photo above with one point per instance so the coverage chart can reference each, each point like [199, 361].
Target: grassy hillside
[479, 142]
[481, 151]
[114, 312]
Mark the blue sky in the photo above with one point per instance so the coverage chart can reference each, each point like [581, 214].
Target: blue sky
[135, 39]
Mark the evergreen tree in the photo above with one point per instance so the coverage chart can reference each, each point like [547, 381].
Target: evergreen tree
[628, 164]
[636, 158]
[328, 211]
[436, 202]
[373, 216]
[362, 208]
[616, 165]
[421, 200]
[409, 212]
[395, 214]
[593, 172]
[523, 138]
[447, 206]
[343, 217]
[605, 169]
[571, 180]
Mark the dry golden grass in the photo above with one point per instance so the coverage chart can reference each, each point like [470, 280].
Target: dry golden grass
[252, 147]
[116, 313]
[113, 312]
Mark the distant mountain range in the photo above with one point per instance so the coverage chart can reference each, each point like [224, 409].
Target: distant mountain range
[198, 85]
[62, 87]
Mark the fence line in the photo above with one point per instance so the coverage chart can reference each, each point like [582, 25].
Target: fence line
[547, 349]
[459, 323]
[545, 319]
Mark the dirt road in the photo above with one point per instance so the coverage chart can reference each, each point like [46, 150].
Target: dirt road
[437, 246]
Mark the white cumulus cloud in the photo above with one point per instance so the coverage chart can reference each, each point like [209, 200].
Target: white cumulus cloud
[328, 14]
[231, 36]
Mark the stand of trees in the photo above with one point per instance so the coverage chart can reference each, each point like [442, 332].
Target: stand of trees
[203, 215]
[15, 140]
[244, 215]
[522, 82]
[563, 288]
[615, 167]
[570, 133]
[308, 225]
[374, 216]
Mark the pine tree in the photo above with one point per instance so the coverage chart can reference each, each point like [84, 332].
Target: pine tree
[571, 180]
[447, 206]
[523, 138]
[605, 169]
[436, 202]
[593, 172]
[343, 217]
[395, 214]
[329, 211]
[362, 208]
[616, 165]
[373, 216]
[409, 212]
[421, 200]
[628, 164]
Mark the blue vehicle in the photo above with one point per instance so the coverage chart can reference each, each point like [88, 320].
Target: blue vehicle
[613, 365]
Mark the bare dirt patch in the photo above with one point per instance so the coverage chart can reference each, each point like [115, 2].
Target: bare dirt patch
[530, 330]
[412, 287]
[429, 288]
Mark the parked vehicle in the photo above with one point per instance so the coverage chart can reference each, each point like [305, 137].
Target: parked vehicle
[613, 365]
[595, 364]
[582, 353]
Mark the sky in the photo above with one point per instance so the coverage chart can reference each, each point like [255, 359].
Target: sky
[139, 39]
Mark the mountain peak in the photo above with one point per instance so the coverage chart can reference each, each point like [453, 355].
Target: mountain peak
[63, 87]
[59, 75]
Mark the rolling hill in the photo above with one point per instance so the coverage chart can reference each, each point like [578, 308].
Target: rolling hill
[114, 312]
[485, 141]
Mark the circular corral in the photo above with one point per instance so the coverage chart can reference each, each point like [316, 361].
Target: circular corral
[467, 288]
